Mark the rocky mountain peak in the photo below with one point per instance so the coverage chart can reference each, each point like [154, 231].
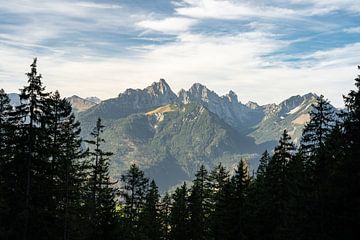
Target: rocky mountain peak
[80, 104]
[252, 105]
[232, 97]
[159, 88]
[93, 99]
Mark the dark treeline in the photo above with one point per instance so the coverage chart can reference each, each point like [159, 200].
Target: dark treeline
[52, 187]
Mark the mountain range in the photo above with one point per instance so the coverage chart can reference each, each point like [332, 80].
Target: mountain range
[170, 135]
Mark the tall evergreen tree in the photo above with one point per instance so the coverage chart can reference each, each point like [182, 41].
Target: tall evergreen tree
[240, 182]
[257, 195]
[199, 206]
[6, 136]
[276, 189]
[165, 211]
[133, 192]
[102, 193]
[68, 172]
[31, 160]
[219, 209]
[315, 134]
[150, 217]
[179, 217]
[348, 171]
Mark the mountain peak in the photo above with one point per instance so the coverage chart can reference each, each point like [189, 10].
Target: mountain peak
[232, 97]
[80, 104]
[252, 105]
[161, 87]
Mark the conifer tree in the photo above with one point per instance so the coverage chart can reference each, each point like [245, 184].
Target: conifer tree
[68, 172]
[31, 159]
[165, 211]
[240, 183]
[150, 217]
[102, 193]
[179, 217]
[133, 192]
[315, 134]
[199, 205]
[220, 190]
[348, 170]
[6, 135]
[276, 192]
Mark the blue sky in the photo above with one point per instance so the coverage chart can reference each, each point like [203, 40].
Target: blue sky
[264, 50]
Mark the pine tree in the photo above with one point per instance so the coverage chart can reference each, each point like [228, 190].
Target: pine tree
[150, 216]
[179, 217]
[257, 196]
[31, 165]
[102, 193]
[6, 136]
[67, 173]
[347, 176]
[240, 183]
[315, 134]
[133, 192]
[276, 192]
[219, 189]
[313, 150]
[165, 212]
[199, 206]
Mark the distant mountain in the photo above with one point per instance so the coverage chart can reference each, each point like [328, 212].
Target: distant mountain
[170, 135]
[80, 104]
[291, 114]
[93, 99]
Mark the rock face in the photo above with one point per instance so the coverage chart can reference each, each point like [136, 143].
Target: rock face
[171, 135]
[291, 114]
[226, 107]
[80, 104]
[93, 99]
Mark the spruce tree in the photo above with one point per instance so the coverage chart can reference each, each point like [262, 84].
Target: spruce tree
[133, 192]
[240, 182]
[150, 216]
[257, 196]
[276, 192]
[219, 189]
[348, 171]
[315, 134]
[179, 217]
[199, 206]
[31, 160]
[68, 172]
[6, 158]
[102, 201]
[165, 212]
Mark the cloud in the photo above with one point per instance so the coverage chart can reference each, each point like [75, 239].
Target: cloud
[352, 30]
[168, 25]
[222, 9]
[97, 48]
[238, 62]
[327, 6]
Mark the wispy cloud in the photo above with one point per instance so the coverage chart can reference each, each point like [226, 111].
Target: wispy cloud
[264, 50]
[168, 25]
[352, 30]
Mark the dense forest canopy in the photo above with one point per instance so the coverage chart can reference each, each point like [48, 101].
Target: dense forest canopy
[53, 187]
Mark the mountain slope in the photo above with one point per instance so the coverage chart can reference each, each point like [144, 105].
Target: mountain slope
[171, 135]
[291, 114]
[80, 104]
[176, 141]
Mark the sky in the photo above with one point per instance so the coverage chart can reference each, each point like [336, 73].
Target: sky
[264, 50]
